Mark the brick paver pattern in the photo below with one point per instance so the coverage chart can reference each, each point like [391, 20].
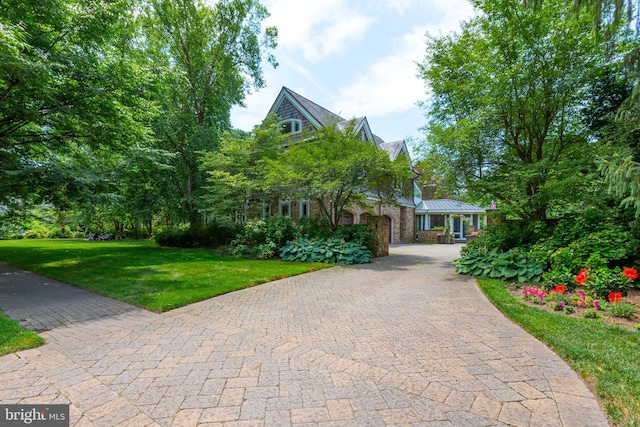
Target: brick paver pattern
[402, 341]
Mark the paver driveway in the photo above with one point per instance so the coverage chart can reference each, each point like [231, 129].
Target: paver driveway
[402, 341]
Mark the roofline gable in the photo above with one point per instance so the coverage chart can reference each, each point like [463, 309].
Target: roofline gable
[290, 95]
[364, 125]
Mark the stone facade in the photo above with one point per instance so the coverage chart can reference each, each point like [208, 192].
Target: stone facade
[399, 219]
[427, 236]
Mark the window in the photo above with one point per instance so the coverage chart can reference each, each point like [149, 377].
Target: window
[290, 126]
[436, 221]
[304, 208]
[285, 208]
[266, 209]
[346, 218]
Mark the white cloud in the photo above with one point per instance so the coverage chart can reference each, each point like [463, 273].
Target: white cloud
[316, 29]
[391, 84]
[311, 31]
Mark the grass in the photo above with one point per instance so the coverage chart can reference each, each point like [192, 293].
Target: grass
[15, 337]
[141, 273]
[605, 355]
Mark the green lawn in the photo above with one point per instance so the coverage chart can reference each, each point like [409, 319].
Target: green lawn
[605, 355]
[15, 337]
[141, 273]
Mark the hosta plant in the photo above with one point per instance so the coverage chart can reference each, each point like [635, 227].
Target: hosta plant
[500, 265]
[332, 251]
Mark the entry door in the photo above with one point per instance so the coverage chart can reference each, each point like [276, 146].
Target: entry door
[458, 224]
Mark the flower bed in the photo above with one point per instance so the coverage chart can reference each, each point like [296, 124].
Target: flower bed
[616, 309]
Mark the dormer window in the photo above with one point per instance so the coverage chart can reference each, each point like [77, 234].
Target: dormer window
[290, 126]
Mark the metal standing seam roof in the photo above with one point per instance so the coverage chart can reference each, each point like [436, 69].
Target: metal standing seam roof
[448, 206]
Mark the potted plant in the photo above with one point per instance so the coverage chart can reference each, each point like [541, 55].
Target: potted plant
[446, 238]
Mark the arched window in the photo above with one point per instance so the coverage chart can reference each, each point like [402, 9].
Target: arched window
[290, 126]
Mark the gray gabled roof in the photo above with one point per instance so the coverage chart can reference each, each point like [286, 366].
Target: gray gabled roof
[320, 116]
[449, 206]
[323, 116]
[393, 148]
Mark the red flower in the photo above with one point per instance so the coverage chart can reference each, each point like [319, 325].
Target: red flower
[559, 289]
[581, 278]
[615, 296]
[630, 273]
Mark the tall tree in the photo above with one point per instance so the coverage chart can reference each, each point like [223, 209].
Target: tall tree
[67, 81]
[506, 98]
[336, 169]
[207, 58]
[237, 171]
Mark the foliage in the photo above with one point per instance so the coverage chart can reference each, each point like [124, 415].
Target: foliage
[504, 236]
[623, 177]
[261, 238]
[69, 82]
[509, 265]
[236, 172]
[360, 234]
[141, 273]
[622, 309]
[559, 275]
[212, 235]
[505, 107]
[102, 236]
[15, 337]
[206, 56]
[602, 281]
[603, 354]
[595, 237]
[332, 250]
[596, 249]
[336, 168]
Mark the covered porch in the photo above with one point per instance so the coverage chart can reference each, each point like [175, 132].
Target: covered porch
[460, 218]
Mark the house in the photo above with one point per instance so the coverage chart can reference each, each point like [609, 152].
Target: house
[441, 213]
[299, 114]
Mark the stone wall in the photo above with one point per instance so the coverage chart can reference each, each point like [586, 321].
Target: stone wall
[402, 220]
[428, 236]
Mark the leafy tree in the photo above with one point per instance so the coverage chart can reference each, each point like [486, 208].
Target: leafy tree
[237, 171]
[505, 107]
[67, 83]
[620, 168]
[336, 168]
[207, 58]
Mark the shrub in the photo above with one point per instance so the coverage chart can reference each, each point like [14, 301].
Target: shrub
[622, 309]
[312, 228]
[212, 235]
[103, 236]
[510, 265]
[40, 232]
[558, 275]
[495, 236]
[591, 314]
[360, 234]
[332, 251]
[602, 281]
[261, 238]
[596, 249]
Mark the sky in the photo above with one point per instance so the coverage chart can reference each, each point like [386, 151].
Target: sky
[355, 58]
